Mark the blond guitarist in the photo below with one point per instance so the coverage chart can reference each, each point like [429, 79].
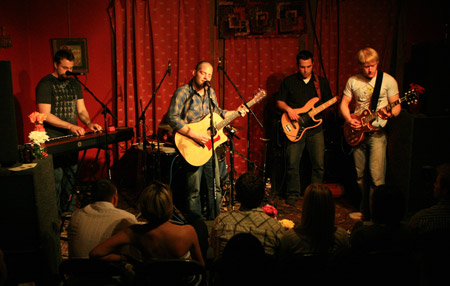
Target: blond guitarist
[297, 91]
[190, 104]
[370, 154]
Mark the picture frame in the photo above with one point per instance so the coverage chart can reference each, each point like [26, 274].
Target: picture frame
[78, 46]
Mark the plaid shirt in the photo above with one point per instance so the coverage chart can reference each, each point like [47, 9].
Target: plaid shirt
[188, 106]
[267, 229]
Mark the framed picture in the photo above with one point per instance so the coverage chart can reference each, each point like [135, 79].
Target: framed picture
[78, 46]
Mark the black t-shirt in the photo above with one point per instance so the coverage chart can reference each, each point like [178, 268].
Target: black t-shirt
[296, 93]
[62, 94]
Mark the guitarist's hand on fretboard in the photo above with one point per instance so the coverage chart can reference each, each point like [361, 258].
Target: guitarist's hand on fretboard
[384, 114]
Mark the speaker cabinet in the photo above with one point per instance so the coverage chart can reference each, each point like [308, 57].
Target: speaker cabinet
[417, 144]
[8, 144]
[29, 223]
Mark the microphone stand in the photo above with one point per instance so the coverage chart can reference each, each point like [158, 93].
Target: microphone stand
[104, 112]
[231, 135]
[144, 135]
[212, 133]
[249, 110]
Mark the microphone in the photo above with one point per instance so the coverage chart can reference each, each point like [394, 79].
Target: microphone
[207, 83]
[170, 69]
[74, 73]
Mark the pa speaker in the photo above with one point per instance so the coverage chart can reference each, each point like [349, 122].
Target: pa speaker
[8, 145]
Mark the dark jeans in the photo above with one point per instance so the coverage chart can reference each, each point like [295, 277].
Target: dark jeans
[315, 145]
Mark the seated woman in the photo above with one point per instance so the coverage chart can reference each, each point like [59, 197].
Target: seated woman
[158, 238]
[317, 233]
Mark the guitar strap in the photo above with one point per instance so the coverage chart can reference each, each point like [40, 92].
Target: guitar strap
[376, 92]
[317, 86]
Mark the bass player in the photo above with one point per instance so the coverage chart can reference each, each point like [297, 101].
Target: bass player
[296, 91]
[369, 93]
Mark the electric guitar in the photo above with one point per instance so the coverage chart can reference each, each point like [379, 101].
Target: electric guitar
[294, 129]
[355, 136]
[196, 154]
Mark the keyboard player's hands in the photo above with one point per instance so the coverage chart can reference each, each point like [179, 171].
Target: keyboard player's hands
[77, 130]
[94, 127]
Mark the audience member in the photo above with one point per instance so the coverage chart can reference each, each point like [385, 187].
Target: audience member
[432, 226]
[307, 248]
[97, 221]
[386, 231]
[317, 233]
[250, 218]
[382, 248]
[158, 238]
[243, 262]
[437, 217]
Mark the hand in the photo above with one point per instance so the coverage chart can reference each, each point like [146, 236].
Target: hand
[293, 116]
[77, 130]
[242, 110]
[355, 123]
[384, 114]
[198, 137]
[94, 127]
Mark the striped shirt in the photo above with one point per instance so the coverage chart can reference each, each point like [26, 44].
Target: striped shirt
[267, 229]
[188, 106]
[435, 218]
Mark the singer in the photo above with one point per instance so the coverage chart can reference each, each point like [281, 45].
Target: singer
[60, 97]
[190, 104]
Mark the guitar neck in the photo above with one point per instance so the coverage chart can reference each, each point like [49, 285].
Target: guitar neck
[324, 106]
[388, 108]
[233, 116]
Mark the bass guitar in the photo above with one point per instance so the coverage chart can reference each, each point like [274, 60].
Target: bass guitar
[355, 136]
[294, 129]
[196, 154]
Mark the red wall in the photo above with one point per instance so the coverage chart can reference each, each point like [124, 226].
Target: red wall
[32, 25]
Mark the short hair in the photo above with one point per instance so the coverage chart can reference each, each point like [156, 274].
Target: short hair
[103, 191]
[199, 64]
[250, 190]
[63, 54]
[304, 55]
[443, 171]
[367, 55]
[155, 203]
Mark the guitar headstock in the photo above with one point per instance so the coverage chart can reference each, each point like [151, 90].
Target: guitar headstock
[259, 95]
[412, 95]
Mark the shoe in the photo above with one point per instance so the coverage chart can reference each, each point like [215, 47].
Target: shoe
[291, 201]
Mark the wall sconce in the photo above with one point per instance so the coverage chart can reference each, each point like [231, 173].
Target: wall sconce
[5, 41]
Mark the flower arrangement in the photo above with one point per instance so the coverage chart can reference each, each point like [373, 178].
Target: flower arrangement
[38, 136]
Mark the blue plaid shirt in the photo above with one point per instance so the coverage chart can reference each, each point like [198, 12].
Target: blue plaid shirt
[188, 106]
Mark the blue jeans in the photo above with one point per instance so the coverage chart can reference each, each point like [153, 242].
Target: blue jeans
[193, 185]
[65, 169]
[315, 145]
[370, 164]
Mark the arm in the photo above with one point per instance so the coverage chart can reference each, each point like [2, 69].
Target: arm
[395, 111]
[287, 109]
[105, 250]
[195, 247]
[56, 121]
[83, 114]
[345, 111]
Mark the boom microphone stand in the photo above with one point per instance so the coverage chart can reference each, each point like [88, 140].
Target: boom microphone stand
[144, 135]
[104, 112]
[219, 67]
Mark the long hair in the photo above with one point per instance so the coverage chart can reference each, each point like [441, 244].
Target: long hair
[318, 213]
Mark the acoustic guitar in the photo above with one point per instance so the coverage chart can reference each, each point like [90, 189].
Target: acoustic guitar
[196, 154]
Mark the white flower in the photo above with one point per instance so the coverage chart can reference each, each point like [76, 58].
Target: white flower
[38, 137]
